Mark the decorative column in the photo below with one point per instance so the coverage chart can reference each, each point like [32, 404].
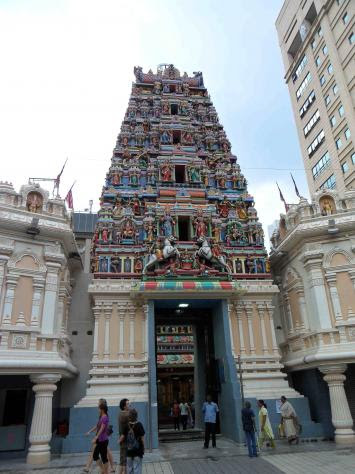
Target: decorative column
[50, 297]
[263, 328]
[11, 283]
[303, 308]
[288, 312]
[108, 313]
[38, 285]
[341, 416]
[132, 317]
[60, 308]
[95, 351]
[41, 426]
[275, 347]
[332, 283]
[121, 312]
[239, 314]
[313, 264]
[249, 311]
[144, 331]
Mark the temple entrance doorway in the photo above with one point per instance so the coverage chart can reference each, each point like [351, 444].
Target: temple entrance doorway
[186, 368]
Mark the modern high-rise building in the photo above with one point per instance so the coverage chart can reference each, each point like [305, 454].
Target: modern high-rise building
[317, 42]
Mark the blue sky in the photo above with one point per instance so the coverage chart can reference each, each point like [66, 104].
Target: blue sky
[67, 69]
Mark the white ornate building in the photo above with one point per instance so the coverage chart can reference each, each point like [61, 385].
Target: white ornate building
[313, 264]
[37, 255]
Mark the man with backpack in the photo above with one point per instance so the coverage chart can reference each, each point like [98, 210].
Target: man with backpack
[248, 420]
[133, 436]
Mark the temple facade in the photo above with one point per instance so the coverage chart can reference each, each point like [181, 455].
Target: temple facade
[163, 295]
[181, 280]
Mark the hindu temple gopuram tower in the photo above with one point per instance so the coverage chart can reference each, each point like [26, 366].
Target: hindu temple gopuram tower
[181, 283]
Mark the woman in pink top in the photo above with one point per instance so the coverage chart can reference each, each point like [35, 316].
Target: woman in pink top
[101, 440]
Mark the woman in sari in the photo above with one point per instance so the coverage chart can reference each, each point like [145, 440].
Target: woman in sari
[266, 433]
[289, 421]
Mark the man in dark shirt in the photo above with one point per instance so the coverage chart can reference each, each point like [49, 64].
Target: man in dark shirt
[248, 420]
[122, 425]
[133, 436]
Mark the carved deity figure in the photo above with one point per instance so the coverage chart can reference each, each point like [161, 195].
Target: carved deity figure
[200, 226]
[136, 206]
[150, 231]
[194, 174]
[223, 208]
[117, 210]
[128, 230]
[138, 265]
[241, 211]
[104, 235]
[166, 171]
[326, 207]
[151, 174]
[166, 137]
[134, 173]
[34, 202]
[168, 224]
[157, 88]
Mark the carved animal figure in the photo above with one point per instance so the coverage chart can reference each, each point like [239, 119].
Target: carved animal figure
[169, 251]
[205, 252]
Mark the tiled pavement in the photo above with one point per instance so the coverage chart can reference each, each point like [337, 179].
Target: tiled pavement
[228, 458]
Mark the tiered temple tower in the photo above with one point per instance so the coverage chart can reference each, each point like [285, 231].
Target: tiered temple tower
[175, 202]
[181, 282]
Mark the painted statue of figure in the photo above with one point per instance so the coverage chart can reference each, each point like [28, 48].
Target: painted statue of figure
[128, 231]
[115, 264]
[117, 210]
[249, 265]
[216, 233]
[326, 207]
[104, 235]
[165, 171]
[151, 174]
[138, 265]
[149, 231]
[157, 88]
[134, 175]
[241, 211]
[223, 208]
[166, 137]
[136, 206]
[34, 202]
[200, 226]
[168, 224]
[194, 174]
[238, 266]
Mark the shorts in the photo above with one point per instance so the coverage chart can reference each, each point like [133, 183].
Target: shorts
[101, 450]
[123, 454]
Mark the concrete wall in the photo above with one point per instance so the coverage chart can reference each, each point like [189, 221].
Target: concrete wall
[80, 320]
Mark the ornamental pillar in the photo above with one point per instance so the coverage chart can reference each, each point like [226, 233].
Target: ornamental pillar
[144, 332]
[230, 310]
[96, 311]
[11, 283]
[132, 317]
[332, 283]
[288, 315]
[41, 426]
[303, 308]
[341, 416]
[121, 312]
[249, 311]
[50, 297]
[38, 285]
[263, 328]
[108, 312]
[275, 347]
[313, 264]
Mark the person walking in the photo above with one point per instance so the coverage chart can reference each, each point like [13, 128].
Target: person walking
[289, 421]
[122, 425]
[210, 410]
[266, 433]
[175, 411]
[248, 420]
[184, 413]
[101, 440]
[133, 435]
[109, 453]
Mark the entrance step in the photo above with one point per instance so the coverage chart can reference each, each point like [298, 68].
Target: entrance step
[171, 436]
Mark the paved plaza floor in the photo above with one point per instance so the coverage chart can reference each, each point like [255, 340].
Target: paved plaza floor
[227, 458]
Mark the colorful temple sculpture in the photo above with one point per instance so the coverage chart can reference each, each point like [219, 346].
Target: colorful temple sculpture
[175, 202]
[177, 245]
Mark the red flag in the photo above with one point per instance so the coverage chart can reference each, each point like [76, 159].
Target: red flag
[69, 199]
[282, 198]
[295, 185]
